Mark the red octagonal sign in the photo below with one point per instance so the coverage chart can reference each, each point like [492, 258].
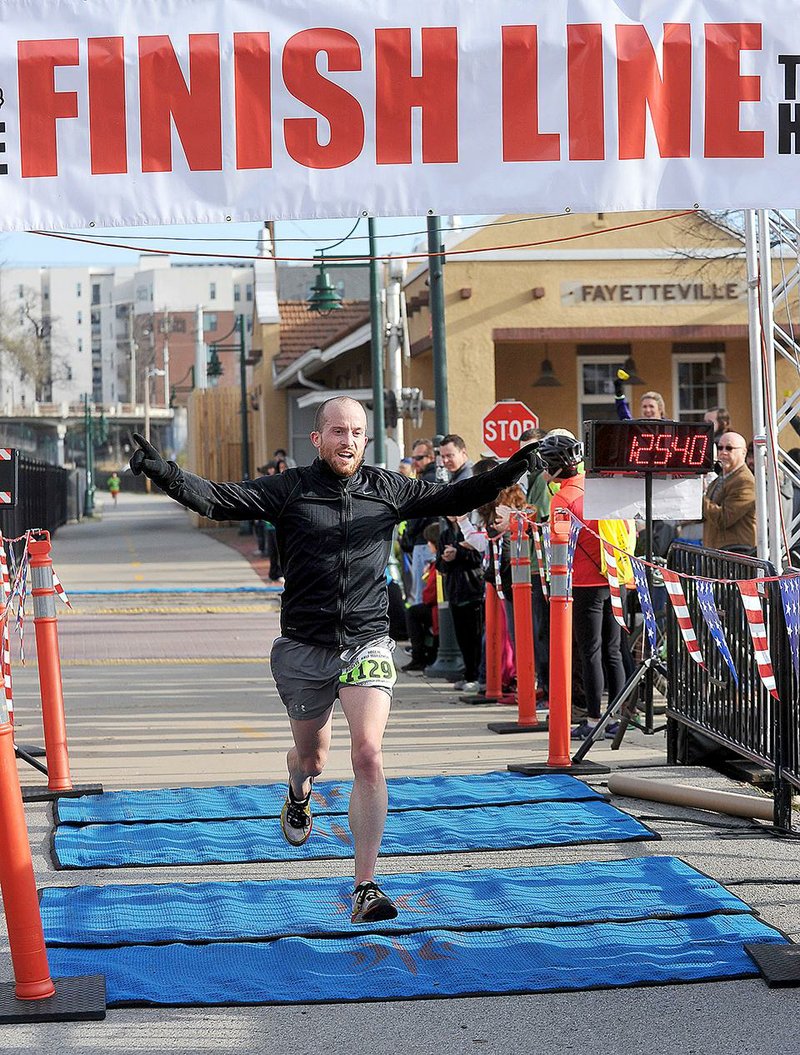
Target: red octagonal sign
[504, 424]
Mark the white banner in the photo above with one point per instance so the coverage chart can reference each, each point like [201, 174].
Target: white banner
[124, 112]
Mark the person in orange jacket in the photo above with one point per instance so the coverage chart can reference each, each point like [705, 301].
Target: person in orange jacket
[597, 633]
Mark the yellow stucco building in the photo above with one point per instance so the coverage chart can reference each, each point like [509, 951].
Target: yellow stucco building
[581, 295]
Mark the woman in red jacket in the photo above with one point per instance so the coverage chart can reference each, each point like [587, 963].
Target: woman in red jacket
[596, 631]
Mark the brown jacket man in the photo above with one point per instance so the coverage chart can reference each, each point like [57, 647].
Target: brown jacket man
[729, 505]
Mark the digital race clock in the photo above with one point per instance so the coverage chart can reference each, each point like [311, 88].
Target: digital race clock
[647, 446]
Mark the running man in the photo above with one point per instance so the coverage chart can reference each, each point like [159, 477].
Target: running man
[114, 484]
[334, 522]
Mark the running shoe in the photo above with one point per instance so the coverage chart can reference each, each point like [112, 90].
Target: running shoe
[296, 819]
[582, 731]
[370, 904]
[611, 730]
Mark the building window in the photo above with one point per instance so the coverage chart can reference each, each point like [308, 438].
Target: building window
[694, 393]
[237, 293]
[80, 344]
[77, 289]
[212, 291]
[209, 322]
[95, 293]
[596, 373]
[249, 291]
[80, 318]
[21, 292]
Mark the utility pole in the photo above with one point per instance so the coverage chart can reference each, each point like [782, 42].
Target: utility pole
[376, 345]
[200, 362]
[394, 352]
[166, 328]
[151, 372]
[243, 401]
[448, 660]
[436, 279]
[132, 363]
[88, 439]
[147, 484]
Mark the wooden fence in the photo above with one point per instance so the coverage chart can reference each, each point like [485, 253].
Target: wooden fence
[214, 448]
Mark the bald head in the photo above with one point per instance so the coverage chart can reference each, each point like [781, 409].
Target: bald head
[340, 434]
[343, 403]
[731, 451]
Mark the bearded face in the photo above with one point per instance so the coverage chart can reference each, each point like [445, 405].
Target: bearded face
[343, 438]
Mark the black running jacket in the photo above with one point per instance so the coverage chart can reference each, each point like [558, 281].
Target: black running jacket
[334, 536]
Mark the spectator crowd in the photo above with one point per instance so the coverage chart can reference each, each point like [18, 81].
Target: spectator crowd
[455, 558]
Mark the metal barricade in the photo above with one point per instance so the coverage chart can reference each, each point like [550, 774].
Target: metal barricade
[42, 500]
[743, 716]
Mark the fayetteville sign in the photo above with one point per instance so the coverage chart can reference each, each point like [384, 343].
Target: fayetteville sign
[137, 112]
[673, 293]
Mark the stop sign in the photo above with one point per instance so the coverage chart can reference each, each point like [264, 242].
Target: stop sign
[504, 424]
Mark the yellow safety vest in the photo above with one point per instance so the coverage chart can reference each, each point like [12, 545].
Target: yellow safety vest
[622, 534]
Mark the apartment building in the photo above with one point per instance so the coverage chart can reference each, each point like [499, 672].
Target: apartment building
[107, 331]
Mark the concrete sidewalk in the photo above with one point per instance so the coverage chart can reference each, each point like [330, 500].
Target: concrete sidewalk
[144, 710]
[146, 542]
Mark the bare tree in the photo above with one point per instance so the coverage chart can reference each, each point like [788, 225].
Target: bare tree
[28, 346]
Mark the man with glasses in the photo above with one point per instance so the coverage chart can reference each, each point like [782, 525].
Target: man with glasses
[729, 504]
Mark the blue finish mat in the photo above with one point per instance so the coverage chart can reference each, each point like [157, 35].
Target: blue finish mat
[434, 963]
[407, 832]
[483, 899]
[328, 797]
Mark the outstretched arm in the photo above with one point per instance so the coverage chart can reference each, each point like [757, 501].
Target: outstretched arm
[230, 501]
[419, 498]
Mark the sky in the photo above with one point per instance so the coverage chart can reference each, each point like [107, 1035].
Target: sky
[293, 239]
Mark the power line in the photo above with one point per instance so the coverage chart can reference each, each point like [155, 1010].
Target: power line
[363, 258]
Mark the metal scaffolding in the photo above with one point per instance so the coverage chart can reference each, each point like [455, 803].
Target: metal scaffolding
[772, 241]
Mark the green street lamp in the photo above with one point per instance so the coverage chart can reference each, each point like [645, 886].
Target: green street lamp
[214, 368]
[324, 298]
[246, 527]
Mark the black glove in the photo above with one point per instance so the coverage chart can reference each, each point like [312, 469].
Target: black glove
[147, 460]
[526, 460]
[619, 390]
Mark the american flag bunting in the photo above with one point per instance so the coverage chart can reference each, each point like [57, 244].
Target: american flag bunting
[613, 583]
[5, 637]
[495, 545]
[538, 546]
[708, 607]
[548, 550]
[790, 596]
[645, 603]
[678, 600]
[62, 593]
[758, 633]
[575, 529]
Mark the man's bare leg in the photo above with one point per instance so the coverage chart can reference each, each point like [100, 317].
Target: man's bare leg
[366, 711]
[312, 741]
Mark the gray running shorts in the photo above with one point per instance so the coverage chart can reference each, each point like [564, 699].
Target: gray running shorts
[309, 676]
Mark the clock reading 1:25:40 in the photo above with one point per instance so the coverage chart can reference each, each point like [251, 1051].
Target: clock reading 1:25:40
[658, 451]
[626, 448]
